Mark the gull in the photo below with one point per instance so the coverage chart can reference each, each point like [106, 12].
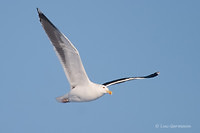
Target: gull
[81, 88]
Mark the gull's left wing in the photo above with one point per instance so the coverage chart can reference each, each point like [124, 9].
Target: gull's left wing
[117, 81]
[67, 53]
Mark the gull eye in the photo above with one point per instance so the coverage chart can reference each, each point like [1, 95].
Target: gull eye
[104, 87]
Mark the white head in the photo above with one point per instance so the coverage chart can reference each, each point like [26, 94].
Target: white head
[104, 89]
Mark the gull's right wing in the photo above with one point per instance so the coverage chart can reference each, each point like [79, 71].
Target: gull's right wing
[117, 81]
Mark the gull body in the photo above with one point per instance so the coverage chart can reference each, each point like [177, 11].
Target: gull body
[85, 93]
[82, 89]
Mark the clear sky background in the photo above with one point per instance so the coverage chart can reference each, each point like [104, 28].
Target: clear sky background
[115, 39]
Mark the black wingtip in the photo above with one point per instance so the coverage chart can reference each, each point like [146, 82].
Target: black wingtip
[158, 73]
[38, 10]
[40, 14]
[152, 75]
[44, 18]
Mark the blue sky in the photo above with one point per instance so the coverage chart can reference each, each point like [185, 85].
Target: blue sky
[115, 39]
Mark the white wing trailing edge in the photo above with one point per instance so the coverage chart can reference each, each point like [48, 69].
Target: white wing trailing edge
[117, 81]
[66, 52]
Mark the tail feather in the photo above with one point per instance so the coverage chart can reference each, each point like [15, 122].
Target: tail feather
[62, 99]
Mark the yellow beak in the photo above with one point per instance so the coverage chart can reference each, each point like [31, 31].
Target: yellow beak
[109, 92]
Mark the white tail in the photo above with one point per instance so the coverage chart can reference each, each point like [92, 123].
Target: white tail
[62, 99]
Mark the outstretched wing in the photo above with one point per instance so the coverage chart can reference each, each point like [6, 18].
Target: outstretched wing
[66, 52]
[117, 81]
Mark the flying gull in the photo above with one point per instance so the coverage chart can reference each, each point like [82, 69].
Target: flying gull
[82, 89]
